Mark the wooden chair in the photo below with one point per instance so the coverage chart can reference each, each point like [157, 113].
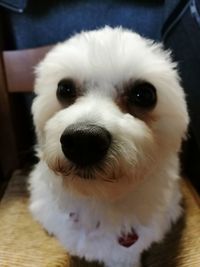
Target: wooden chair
[16, 76]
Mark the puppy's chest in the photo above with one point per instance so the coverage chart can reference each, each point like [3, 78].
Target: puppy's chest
[83, 222]
[93, 225]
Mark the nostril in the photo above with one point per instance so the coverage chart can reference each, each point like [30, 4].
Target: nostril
[68, 140]
[85, 144]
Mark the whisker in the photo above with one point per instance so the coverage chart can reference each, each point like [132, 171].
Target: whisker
[108, 180]
[87, 174]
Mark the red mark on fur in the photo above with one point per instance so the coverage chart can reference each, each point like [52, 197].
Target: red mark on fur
[127, 240]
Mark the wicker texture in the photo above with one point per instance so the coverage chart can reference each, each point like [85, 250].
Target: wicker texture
[25, 244]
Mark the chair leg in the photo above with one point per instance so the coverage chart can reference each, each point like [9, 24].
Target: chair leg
[8, 148]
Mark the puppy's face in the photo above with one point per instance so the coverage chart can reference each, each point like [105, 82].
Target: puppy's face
[109, 111]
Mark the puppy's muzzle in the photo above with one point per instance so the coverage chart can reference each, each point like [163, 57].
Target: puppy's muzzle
[85, 144]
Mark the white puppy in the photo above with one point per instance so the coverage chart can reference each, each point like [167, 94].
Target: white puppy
[110, 115]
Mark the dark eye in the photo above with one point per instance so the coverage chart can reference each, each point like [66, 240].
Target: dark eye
[142, 95]
[66, 90]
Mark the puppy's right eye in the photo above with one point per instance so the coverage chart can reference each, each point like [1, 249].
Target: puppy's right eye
[66, 91]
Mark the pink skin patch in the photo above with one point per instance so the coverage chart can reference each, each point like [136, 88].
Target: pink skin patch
[128, 239]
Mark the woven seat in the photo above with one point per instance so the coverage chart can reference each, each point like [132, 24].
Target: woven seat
[25, 244]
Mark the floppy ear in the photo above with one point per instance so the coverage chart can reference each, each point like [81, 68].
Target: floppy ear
[45, 104]
[38, 119]
[38, 105]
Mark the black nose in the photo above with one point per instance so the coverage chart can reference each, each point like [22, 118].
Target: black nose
[85, 144]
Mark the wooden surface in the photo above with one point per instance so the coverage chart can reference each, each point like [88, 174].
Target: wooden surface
[19, 67]
[16, 75]
[25, 244]
[8, 150]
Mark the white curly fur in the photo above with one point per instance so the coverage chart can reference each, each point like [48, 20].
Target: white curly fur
[139, 186]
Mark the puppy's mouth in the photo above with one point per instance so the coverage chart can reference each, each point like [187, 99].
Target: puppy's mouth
[85, 173]
[70, 171]
[91, 173]
[90, 153]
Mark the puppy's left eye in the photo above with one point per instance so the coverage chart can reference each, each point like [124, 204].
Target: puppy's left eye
[66, 90]
[142, 95]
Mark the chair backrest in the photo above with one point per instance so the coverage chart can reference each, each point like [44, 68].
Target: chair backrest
[16, 76]
[19, 68]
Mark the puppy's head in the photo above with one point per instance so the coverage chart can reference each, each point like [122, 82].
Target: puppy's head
[109, 111]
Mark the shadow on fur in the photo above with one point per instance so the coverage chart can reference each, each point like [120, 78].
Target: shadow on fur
[166, 253]
[76, 262]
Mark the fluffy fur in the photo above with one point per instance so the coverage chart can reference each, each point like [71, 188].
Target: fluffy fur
[138, 187]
